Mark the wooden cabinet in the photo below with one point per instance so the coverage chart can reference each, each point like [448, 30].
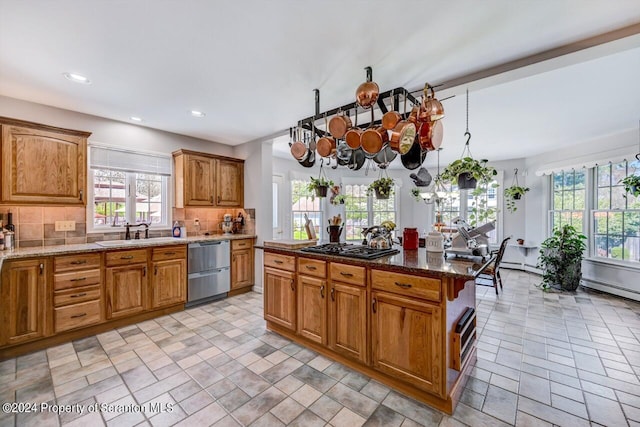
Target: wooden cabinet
[348, 320]
[229, 183]
[241, 264]
[207, 180]
[126, 283]
[42, 164]
[312, 302]
[168, 282]
[407, 340]
[280, 297]
[23, 301]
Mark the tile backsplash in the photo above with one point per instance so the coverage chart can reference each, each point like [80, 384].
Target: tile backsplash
[35, 225]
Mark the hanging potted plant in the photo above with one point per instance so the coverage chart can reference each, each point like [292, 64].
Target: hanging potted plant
[336, 197]
[512, 194]
[382, 187]
[631, 185]
[320, 186]
[468, 172]
[561, 258]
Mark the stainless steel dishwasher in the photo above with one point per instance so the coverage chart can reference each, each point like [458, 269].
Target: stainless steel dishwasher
[209, 271]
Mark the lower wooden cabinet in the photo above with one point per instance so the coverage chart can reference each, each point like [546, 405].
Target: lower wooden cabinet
[348, 320]
[407, 340]
[241, 264]
[168, 282]
[23, 301]
[126, 288]
[312, 308]
[280, 297]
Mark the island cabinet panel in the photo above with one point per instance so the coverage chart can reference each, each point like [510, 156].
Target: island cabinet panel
[348, 321]
[280, 297]
[407, 343]
[23, 301]
[312, 308]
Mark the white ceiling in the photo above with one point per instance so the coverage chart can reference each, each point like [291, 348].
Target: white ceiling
[252, 65]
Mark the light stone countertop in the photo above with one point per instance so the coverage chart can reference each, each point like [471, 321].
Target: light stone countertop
[127, 244]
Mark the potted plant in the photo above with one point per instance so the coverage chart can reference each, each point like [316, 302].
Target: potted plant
[468, 172]
[561, 258]
[415, 193]
[632, 185]
[513, 193]
[320, 185]
[382, 187]
[336, 197]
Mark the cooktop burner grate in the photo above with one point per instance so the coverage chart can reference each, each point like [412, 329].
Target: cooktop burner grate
[351, 251]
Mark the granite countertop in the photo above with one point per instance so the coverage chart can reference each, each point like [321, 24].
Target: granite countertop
[418, 262]
[127, 244]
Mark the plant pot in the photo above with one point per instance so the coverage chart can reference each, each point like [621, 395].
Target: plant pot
[321, 191]
[466, 181]
[380, 196]
[633, 190]
[517, 196]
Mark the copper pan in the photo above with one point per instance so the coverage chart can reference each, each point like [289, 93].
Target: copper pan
[391, 118]
[430, 135]
[339, 125]
[373, 139]
[433, 108]
[367, 93]
[403, 136]
[326, 146]
[298, 148]
[353, 136]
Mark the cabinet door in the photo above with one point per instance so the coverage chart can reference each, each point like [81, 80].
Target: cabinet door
[126, 290]
[312, 308]
[23, 301]
[229, 183]
[199, 175]
[407, 342]
[241, 268]
[280, 297]
[348, 320]
[168, 282]
[41, 166]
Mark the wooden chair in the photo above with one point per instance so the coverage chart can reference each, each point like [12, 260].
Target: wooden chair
[491, 274]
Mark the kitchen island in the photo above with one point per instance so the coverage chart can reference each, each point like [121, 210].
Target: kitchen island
[406, 320]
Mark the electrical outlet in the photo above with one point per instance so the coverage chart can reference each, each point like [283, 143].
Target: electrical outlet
[65, 225]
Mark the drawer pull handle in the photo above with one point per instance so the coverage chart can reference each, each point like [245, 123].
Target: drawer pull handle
[75, 316]
[310, 267]
[82, 261]
[322, 291]
[78, 295]
[403, 285]
[169, 253]
[79, 279]
[127, 257]
[277, 261]
[346, 274]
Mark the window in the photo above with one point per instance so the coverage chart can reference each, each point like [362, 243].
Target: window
[364, 211]
[616, 217]
[568, 200]
[128, 187]
[303, 202]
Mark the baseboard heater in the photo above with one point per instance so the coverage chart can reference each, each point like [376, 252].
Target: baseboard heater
[463, 338]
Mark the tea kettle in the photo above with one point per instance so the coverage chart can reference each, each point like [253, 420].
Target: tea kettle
[380, 237]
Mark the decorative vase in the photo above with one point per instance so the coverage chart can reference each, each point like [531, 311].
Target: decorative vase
[466, 181]
[321, 191]
[381, 196]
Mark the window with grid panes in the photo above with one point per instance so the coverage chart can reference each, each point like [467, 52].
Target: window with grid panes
[616, 214]
[304, 202]
[362, 211]
[568, 201]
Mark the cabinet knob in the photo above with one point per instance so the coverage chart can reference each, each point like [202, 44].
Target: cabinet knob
[41, 266]
[81, 194]
[292, 287]
[373, 305]
[333, 294]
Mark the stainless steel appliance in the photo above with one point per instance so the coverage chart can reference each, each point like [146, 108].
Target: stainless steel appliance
[469, 241]
[209, 276]
[350, 251]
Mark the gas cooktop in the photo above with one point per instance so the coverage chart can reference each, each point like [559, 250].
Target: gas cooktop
[351, 251]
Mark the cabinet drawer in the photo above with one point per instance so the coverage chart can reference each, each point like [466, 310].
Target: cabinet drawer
[281, 262]
[77, 315]
[75, 279]
[76, 262]
[169, 252]
[312, 267]
[416, 286]
[126, 257]
[348, 274]
[74, 296]
[241, 244]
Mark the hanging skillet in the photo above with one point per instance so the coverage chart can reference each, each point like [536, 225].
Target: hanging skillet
[310, 160]
[414, 158]
[357, 159]
[367, 93]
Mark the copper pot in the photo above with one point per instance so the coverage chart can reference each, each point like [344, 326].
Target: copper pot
[353, 138]
[326, 146]
[403, 136]
[430, 135]
[373, 139]
[367, 93]
[391, 119]
[339, 125]
[433, 108]
[413, 116]
[299, 148]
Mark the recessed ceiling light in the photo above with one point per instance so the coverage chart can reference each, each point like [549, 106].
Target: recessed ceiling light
[196, 113]
[78, 78]
[135, 119]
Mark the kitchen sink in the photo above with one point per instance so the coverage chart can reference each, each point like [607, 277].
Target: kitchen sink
[113, 243]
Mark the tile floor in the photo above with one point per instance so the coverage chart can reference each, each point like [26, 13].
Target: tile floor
[543, 359]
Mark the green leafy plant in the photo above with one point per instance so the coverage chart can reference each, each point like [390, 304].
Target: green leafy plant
[477, 169]
[382, 187]
[415, 193]
[631, 185]
[513, 193]
[561, 258]
[318, 186]
[480, 211]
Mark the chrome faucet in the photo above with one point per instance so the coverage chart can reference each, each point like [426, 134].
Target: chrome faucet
[128, 226]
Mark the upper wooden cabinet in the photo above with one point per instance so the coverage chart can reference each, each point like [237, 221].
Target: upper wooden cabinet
[42, 164]
[206, 180]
